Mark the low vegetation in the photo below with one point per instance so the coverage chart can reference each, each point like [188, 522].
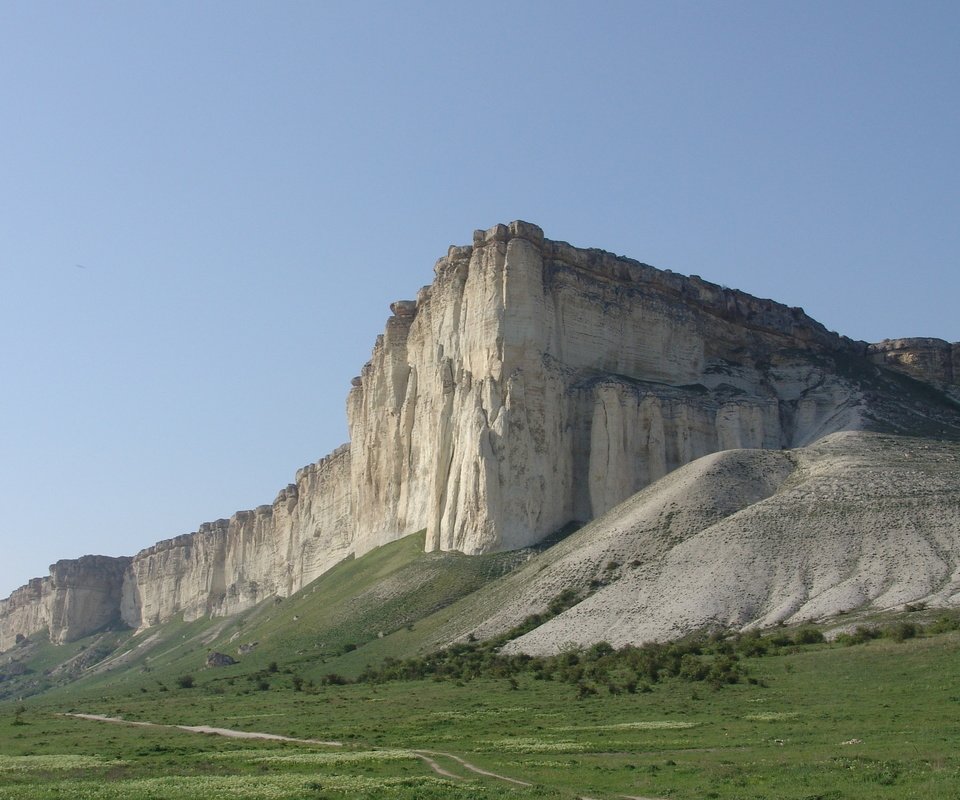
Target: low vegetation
[777, 714]
[866, 710]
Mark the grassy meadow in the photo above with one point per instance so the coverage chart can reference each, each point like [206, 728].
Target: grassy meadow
[871, 720]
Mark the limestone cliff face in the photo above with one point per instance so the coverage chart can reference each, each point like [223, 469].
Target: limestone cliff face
[80, 596]
[229, 565]
[531, 384]
[84, 595]
[534, 383]
[23, 612]
[931, 360]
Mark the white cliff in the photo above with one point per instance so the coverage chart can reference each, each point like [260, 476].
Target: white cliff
[230, 565]
[79, 596]
[532, 384]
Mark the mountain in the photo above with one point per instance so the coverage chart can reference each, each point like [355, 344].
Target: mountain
[534, 387]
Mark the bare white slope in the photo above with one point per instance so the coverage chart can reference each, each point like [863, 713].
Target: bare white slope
[748, 538]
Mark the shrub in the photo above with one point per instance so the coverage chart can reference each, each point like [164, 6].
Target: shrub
[599, 650]
[944, 624]
[809, 636]
[861, 634]
[753, 645]
[724, 670]
[902, 632]
[566, 599]
[185, 682]
[692, 668]
[585, 690]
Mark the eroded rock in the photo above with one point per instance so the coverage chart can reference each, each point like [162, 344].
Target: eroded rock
[220, 660]
[532, 385]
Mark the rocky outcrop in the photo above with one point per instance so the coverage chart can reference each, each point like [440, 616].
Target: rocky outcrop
[220, 660]
[79, 597]
[85, 595]
[531, 385]
[24, 612]
[931, 360]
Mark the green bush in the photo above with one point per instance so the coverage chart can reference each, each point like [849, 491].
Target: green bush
[724, 670]
[861, 634]
[944, 624]
[902, 631]
[809, 636]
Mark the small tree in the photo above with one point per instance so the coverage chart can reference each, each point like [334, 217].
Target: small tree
[185, 681]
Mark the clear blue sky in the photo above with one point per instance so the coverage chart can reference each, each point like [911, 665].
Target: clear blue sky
[205, 208]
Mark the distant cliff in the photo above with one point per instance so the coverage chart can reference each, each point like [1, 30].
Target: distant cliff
[530, 385]
[932, 360]
[79, 597]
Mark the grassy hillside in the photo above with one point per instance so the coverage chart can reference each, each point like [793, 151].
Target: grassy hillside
[357, 613]
[871, 720]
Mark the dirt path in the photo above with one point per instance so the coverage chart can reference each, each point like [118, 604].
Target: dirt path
[435, 766]
[474, 768]
[423, 755]
[233, 734]
[228, 732]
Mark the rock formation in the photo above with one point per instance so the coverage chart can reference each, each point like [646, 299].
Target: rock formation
[534, 383]
[229, 565]
[530, 385]
[79, 596]
[931, 360]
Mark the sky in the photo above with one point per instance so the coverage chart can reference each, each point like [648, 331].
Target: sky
[207, 207]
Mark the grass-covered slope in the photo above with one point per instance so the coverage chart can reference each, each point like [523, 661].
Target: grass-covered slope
[379, 598]
[876, 719]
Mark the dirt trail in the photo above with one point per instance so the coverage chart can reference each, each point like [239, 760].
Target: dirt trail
[228, 732]
[233, 734]
[423, 755]
[474, 768]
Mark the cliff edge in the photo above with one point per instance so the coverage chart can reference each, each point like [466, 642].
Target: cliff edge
[531, 385]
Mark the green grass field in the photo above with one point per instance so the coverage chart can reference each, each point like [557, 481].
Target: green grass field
[875, 720]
